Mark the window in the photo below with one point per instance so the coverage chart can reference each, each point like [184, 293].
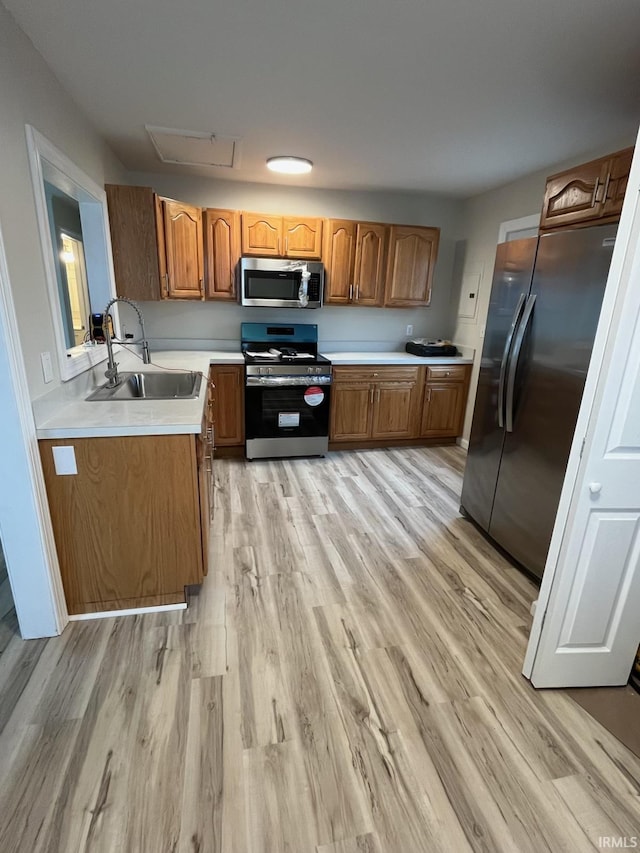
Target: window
[74, 236]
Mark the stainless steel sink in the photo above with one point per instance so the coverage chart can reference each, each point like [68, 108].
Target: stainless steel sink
[177, 385]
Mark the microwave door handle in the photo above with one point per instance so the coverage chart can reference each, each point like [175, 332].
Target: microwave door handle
[505, 358]
[513, 367]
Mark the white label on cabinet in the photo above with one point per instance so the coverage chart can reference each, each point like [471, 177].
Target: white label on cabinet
[64, 459]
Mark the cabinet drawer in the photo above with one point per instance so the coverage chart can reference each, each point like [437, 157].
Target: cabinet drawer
[375, 373]
[450, 372]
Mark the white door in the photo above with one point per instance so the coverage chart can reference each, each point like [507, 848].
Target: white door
[591, 629]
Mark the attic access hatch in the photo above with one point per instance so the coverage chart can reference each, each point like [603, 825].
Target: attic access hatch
[192, 148]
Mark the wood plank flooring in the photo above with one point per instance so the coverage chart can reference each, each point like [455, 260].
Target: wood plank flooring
[347, 680]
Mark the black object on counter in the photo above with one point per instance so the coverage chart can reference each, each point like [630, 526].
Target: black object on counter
[431, 348]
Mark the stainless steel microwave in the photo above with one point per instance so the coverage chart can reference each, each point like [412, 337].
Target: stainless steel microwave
[281, 283]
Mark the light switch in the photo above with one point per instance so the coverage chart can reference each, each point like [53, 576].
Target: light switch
[64, 459]
[47, 367]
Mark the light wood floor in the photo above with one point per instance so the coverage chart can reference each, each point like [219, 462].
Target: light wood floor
[348, 679]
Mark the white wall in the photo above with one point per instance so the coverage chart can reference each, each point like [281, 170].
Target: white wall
[483, 215]
[188, 324]
[30, 93]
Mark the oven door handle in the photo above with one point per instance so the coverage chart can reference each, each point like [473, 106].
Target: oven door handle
[286, 381]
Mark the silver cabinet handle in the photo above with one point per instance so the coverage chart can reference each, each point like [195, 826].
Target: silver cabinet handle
[371, 394]
[505, 357]
[513, 367]
[350, 292]
[606, 189]
[595, 192]
[357, 292]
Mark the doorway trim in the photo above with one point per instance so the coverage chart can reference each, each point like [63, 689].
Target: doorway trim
[25, 523]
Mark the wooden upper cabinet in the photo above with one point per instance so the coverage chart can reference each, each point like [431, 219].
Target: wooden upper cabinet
[613, 193]
[368, 273]
[261, 234]
[302, 237]
[267, 235]
[221, 253]
[589, 192]
[184, 250]
[412, 256]
[132, 223]
[338, 255]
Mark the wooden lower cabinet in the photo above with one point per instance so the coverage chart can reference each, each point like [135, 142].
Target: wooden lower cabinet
[127, 526]
[351, 411]
[445, 400]
[370, 404]
[397, 404]
[227, 404]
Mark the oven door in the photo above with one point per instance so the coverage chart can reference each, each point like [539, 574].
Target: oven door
[287, 406]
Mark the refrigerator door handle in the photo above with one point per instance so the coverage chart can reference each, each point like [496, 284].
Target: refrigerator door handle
[505, 358]
[513, 366]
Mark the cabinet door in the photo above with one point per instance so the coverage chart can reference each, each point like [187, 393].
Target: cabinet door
[412, 256]
[368, 275]
[132, 223]
[351, 411]
[183, 244]
[338, 256]
[222, 253]
[575, 196]
[261, 235]
[302, 237]
[443, 409]
[228, 404]
[616, 185]
[394, 411]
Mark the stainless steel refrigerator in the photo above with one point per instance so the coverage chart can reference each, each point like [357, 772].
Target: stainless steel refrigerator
[545, 303]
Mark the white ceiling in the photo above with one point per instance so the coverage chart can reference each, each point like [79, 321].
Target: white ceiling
[452, 96]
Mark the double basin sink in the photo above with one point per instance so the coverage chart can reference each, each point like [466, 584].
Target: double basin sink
[177, 385]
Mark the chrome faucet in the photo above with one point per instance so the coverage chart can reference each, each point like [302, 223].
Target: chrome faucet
[112, 366]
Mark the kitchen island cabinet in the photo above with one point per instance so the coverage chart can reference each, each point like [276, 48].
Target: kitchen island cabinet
[129, 524]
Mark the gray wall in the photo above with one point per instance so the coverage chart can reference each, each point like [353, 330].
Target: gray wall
[30, 94]
[186, 324]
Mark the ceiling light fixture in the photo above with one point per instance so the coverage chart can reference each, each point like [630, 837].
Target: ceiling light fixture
[289, 165]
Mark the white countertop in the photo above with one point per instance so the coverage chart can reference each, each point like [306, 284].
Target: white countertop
[66, 413]
[392, 358]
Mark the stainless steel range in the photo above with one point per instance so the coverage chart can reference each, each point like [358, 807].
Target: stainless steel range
[287, 391]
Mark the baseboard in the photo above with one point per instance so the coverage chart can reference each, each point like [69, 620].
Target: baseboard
[463, 443]
[131, 611]
[378, 443]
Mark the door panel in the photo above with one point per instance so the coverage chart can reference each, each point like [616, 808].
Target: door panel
[575, 195]
[302, 238]
[351, 411]
[443, 409]
[222, 252]
[511, 280]
[394, 410]
[412, 255]
[261, 235]
[183, 243]
[228, 408]
[368, 277]
[569, 281]
[338, 256]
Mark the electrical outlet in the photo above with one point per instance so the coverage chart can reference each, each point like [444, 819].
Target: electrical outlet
[47, 367]
[409, 330]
